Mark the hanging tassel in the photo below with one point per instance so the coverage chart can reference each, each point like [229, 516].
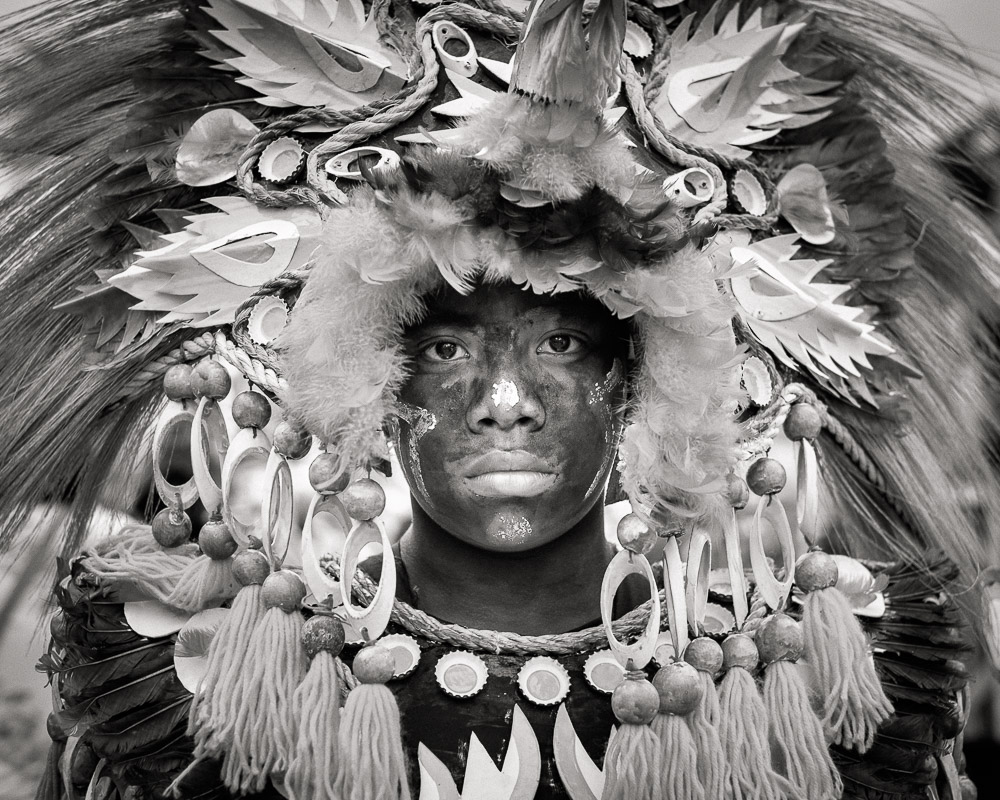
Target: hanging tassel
[680, 693]
[316, 705]
[209, 580]
[853, 702]
[371, 763]
[798, 748]
[264, 733]
[216, 703]
[632, 765]
[705, 655]
[743, 724]
[137, 567]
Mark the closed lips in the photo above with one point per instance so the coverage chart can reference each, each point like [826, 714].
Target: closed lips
[503, 473]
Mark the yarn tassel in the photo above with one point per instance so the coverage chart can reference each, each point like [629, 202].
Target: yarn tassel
[853, 701]
[316, 705]
[705, 655]
[798, 748]
[680, 692]
[216, 703]
[209, 580]
[743, 724]
[264, 733]
[632, 765]
[138, 567]
[371, 763]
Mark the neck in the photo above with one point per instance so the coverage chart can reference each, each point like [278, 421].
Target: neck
[549, 589]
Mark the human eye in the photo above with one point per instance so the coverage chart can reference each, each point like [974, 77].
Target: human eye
[443, 351]
[562, 344]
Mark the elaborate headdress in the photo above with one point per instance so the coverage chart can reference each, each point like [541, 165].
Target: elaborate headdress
[771, 222]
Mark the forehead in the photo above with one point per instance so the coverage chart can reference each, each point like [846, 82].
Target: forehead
[507, 305]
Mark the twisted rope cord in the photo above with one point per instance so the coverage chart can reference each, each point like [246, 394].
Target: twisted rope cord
[501, 642]
[280, 286]
[259, 373]
[191, 350]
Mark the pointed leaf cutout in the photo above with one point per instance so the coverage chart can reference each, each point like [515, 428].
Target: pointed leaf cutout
[311, 53]
[579, 774]
[516, 780]
[726, 87]
[800, 322]
[204, 272]
[805, 204]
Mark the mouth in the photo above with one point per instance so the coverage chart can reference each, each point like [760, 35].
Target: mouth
[507, 473]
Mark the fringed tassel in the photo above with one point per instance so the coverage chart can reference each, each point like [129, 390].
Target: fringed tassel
[743, 724]
[208, 581]
[371, 763]
[264, 733]
[316, 705]
[138, 567]
[632, 765]
[216, 703]
[798, 747]
[680, 692]
[705, 655]
[853, 702]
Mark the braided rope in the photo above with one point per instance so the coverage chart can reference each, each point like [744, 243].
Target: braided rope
[191, 350]
[500, 642]
[253, 369]
[281, 286]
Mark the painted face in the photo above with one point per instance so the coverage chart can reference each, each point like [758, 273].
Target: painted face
[509, 424]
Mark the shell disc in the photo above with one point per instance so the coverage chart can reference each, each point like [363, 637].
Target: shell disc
[461, 674]
[405, 653]
[603, 672]
[544, 681]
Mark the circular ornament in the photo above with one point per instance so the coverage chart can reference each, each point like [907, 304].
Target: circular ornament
[280, 160]
[177, 383]
[717, 619]
[719, 583]
[634, 535]
[210, 379]
[664, 652]
[543, 680]
[267, 319]
[291, 441]
[766, 476]
[749, 193]
[405, 653]
[637, 42]
[251, 410]
[603, 672]
[461, 674]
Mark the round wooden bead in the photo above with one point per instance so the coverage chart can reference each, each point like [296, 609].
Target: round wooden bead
[283, 589]
[177, 382]
[739, 650]
[737, 492]
[374, 664]
[816, 570]
[328, 475]
[323, 633]
[766, 476]
[210, 379]
[635, 700]
[291, 441]
[251, 410]
[679, 688]
[704, 654]
[216, 540]
[634, 535]
[779, 638]
[803, 422]
[171, 527]
[251, 567]
[55, 729]
[363, 500]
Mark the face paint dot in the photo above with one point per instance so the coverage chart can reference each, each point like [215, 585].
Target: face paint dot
[505, 394]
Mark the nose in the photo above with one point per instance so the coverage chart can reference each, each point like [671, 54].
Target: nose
[506, 400]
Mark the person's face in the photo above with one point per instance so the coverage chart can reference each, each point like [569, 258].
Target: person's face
[510, 418]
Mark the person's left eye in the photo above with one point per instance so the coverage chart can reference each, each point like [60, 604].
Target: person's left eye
[561, 344]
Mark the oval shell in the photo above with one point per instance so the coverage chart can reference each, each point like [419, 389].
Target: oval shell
[749, 193]
[461, 674]
[267, 319]
[281, 160]
[603, 672]
[405, 653]
[543, 680]
[718, 619]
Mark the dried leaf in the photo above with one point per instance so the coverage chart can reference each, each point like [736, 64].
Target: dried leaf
[209, 150]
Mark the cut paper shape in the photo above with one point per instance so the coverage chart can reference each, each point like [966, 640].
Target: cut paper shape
[517, 779]
[191, 649]
[581, 777]
[318, 53]
[153, 619]
[209, 150]
[205, 271]
[445, 31]
[726, 87]
[805, 204]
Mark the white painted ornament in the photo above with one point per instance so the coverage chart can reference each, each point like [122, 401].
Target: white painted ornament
[749, 193]
[405, 653]
[757, 381]
[603, 672]
[690, 188]
[637, 41]
[243, 484]
[372, 619]
[461, 674]
[281, 160]
[153, 619]
[580, 776]
[173, 431]
[543, 680]
[277, 512]
[446, 32]
[267, 320]
[191, 649]
[324, 533]
[699, 564]
[209, 448]
[638, 653]
[675, 594]
[347, 165]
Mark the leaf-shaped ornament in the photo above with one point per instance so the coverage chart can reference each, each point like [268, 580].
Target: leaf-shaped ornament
[726, 87]
[800, 322]
[209, 150]
[311, 53]
[204, 272]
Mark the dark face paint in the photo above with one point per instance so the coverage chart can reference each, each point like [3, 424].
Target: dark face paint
[509, 422]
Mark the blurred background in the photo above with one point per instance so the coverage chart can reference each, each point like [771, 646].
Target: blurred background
[974, 159]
